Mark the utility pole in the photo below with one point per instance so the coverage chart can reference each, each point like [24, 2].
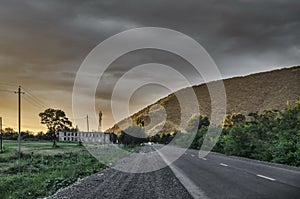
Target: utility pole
[1, 149]
[87, 123]
[100, 122]
[19, 124]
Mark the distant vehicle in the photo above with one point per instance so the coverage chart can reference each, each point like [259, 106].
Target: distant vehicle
[150, 143]
[146, 144]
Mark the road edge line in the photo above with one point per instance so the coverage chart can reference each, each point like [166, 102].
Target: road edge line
[190, 186]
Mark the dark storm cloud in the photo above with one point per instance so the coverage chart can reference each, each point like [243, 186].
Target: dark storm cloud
[55, 31]
[42, 43]
[130, 60]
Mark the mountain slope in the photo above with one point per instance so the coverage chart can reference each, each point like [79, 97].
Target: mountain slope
[252, 93]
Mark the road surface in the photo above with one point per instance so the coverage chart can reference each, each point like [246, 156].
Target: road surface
[214, 176]
[220, 177]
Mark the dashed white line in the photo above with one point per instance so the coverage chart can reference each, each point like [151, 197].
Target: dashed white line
[224, 165]
[192, 155]
[268, 178]
[203, 158]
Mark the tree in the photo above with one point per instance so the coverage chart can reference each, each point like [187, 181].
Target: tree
[239, 142]
[10, 134]
[287, 145]
[199, 137]
[56, 121]
[233, 119]
[133, 135]
[196, 122]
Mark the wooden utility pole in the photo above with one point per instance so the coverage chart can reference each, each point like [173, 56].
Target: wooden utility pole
[100, 122]
[19, 124]
[87, 123]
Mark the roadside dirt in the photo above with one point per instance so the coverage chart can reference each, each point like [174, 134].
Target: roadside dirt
[112, 183]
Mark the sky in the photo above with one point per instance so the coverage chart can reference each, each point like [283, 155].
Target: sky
[43, 43]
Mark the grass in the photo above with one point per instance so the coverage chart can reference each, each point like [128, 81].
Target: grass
[44, 169]
[111, 153]
[42, 147]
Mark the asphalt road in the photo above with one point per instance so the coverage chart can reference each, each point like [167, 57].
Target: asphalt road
[220, 176]
[215, 176]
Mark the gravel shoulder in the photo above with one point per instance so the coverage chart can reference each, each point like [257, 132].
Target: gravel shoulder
[112, 183]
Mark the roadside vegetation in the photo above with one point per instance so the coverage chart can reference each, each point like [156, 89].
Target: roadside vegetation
[272, 135]
[46, 166]
[43, 169]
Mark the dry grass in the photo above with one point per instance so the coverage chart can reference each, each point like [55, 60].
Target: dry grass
[252, 93]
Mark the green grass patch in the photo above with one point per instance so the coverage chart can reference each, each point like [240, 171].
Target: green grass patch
[109, 154]
[44, 169]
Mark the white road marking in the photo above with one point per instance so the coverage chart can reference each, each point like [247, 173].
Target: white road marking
[192, 155]
[272, 179]
[203, 158]
[224, 165]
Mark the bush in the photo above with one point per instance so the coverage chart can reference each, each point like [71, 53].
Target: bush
[271, 136]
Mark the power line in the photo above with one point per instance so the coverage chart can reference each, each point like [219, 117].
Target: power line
[10, 121]
[4, 90]
[35, 98]
[80, 118]
[30, 99]
[33, 103]
[37, 101]
[8, 84]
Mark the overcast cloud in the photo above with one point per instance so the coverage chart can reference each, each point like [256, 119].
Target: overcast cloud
[42, 43]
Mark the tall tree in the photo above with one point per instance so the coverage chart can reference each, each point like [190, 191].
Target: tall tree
[56, 121]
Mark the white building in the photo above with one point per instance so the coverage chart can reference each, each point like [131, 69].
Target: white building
[89, 137]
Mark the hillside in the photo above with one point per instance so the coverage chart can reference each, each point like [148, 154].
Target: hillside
[252, 93]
